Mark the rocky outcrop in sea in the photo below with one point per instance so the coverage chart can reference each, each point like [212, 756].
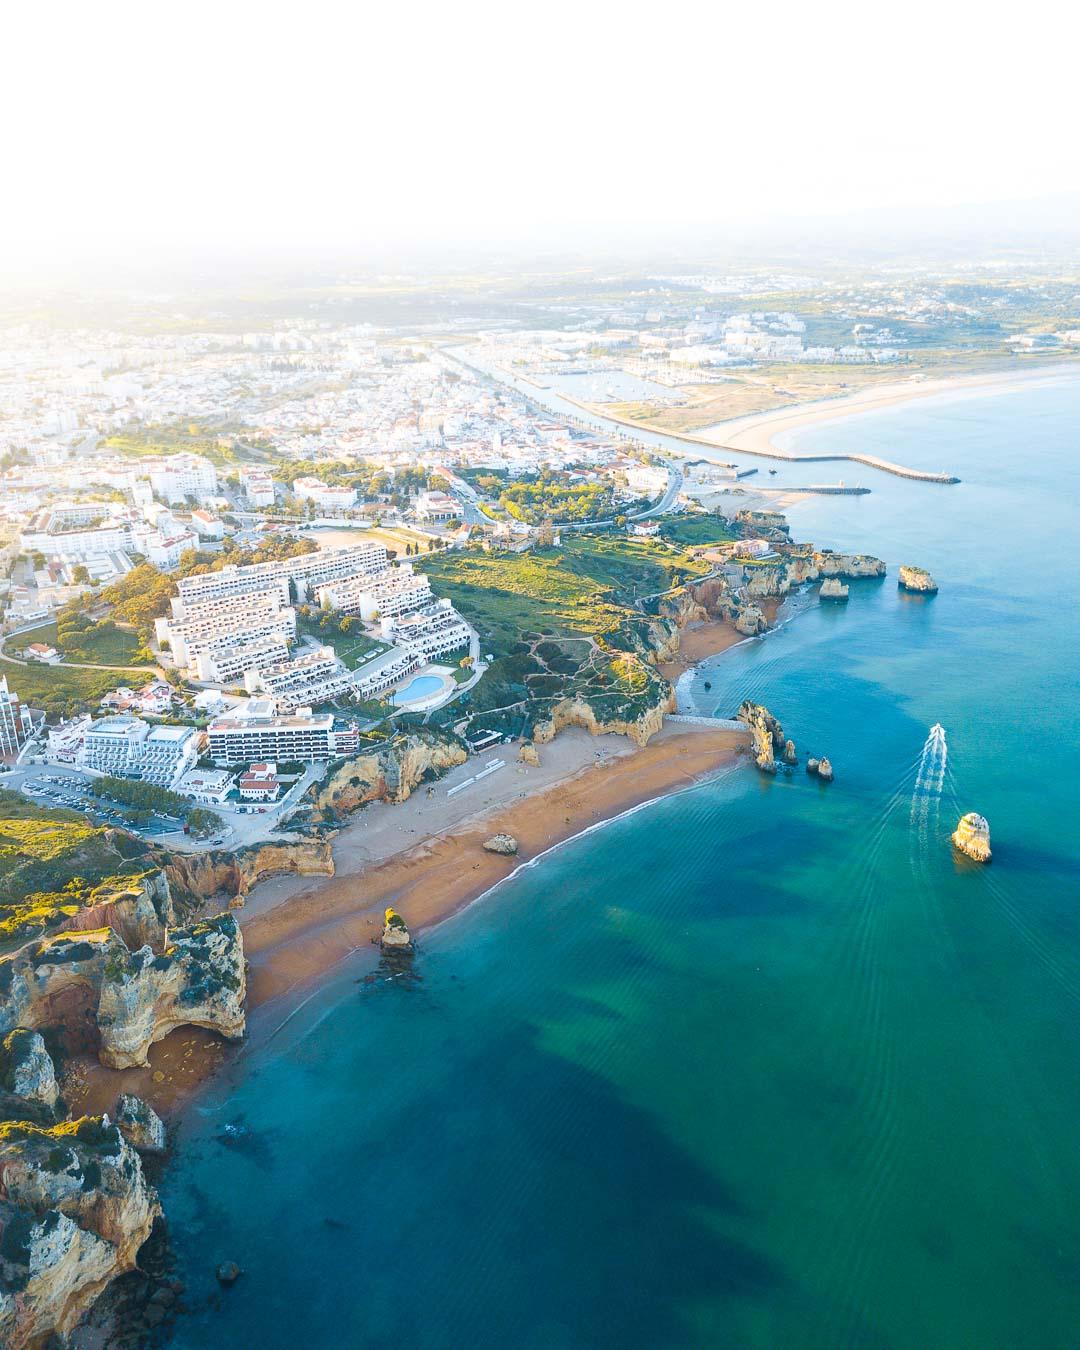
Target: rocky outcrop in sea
[917, 580]
[972, 837]
[767, 735]
[832, 588]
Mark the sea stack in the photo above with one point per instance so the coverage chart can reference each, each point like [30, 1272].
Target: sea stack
[790, 754]
[766, 732]
[820, 768]
[832, 588]
[395, 933]
[918, 580]
[972, 837]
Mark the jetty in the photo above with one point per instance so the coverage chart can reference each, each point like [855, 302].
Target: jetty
[874, 461]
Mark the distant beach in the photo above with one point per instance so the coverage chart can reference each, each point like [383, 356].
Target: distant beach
[759, 431]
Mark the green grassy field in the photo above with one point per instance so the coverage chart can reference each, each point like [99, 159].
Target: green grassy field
[105, 644]
[694, 531]
[53, 863]
[354, 649]
[64, 691]
[583, 589]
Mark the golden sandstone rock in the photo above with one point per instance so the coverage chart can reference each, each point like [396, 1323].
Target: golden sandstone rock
[972, 837]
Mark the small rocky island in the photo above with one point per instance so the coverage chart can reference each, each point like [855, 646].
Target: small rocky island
[917, 580]
[972, 837]
[832, 588]
[820, 768]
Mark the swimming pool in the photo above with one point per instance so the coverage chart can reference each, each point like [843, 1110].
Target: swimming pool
[423, 686]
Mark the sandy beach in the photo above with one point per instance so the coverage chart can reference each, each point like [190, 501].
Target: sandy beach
[759, 432]
[426, 858]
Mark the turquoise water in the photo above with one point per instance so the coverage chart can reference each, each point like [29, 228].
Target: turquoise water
[423, 686]
[760, 1065]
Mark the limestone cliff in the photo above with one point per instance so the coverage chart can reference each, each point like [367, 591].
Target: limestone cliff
[766, 733]
[26, 1068]
[198, 980]
[75, 1208]
[390, 773]
[117, 1002]
[197, 877]
[578, 712]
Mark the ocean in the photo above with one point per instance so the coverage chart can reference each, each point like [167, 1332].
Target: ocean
[762, 1064]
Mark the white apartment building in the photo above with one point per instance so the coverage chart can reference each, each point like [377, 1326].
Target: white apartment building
[257, 618]
[255, 731]
[433, 631]
[436, 506]
[178, 477]
[231, 665]
[128, 747]
[397, 590]
[76, 545]
[221, 589]
[301, 681]
[15, 724]
[304, 572]
[382, 673]
[208, 786]
[207, 526]
[325, 497]
[258, 485]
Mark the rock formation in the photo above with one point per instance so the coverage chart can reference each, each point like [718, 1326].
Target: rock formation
[198, 981]
[26, 1068]
[832, 588]
[390, 773]
[767, 735]
[790, 753]
[395, 934]
[528, 754]
[74, 1210]
[195, 878]
[578, 712]
[917, 579]
[972, 836]
[140, 1124]
[501, 843]
[105, 997]
[820, 768]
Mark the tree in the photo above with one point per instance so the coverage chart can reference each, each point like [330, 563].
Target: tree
[81, 575]
[202, 822]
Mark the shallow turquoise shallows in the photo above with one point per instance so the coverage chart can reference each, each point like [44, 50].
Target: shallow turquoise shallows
[423, 686]
[760, 1065]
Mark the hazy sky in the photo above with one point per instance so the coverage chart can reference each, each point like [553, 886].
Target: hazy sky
[146, 126]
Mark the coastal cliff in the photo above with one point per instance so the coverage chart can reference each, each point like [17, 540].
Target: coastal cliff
[198, 877]
[639, 724]
[391, 773]
[75, 1208]
[103, 997]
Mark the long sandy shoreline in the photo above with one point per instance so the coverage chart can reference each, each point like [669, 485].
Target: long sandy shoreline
[756, 432]
[428, 864]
